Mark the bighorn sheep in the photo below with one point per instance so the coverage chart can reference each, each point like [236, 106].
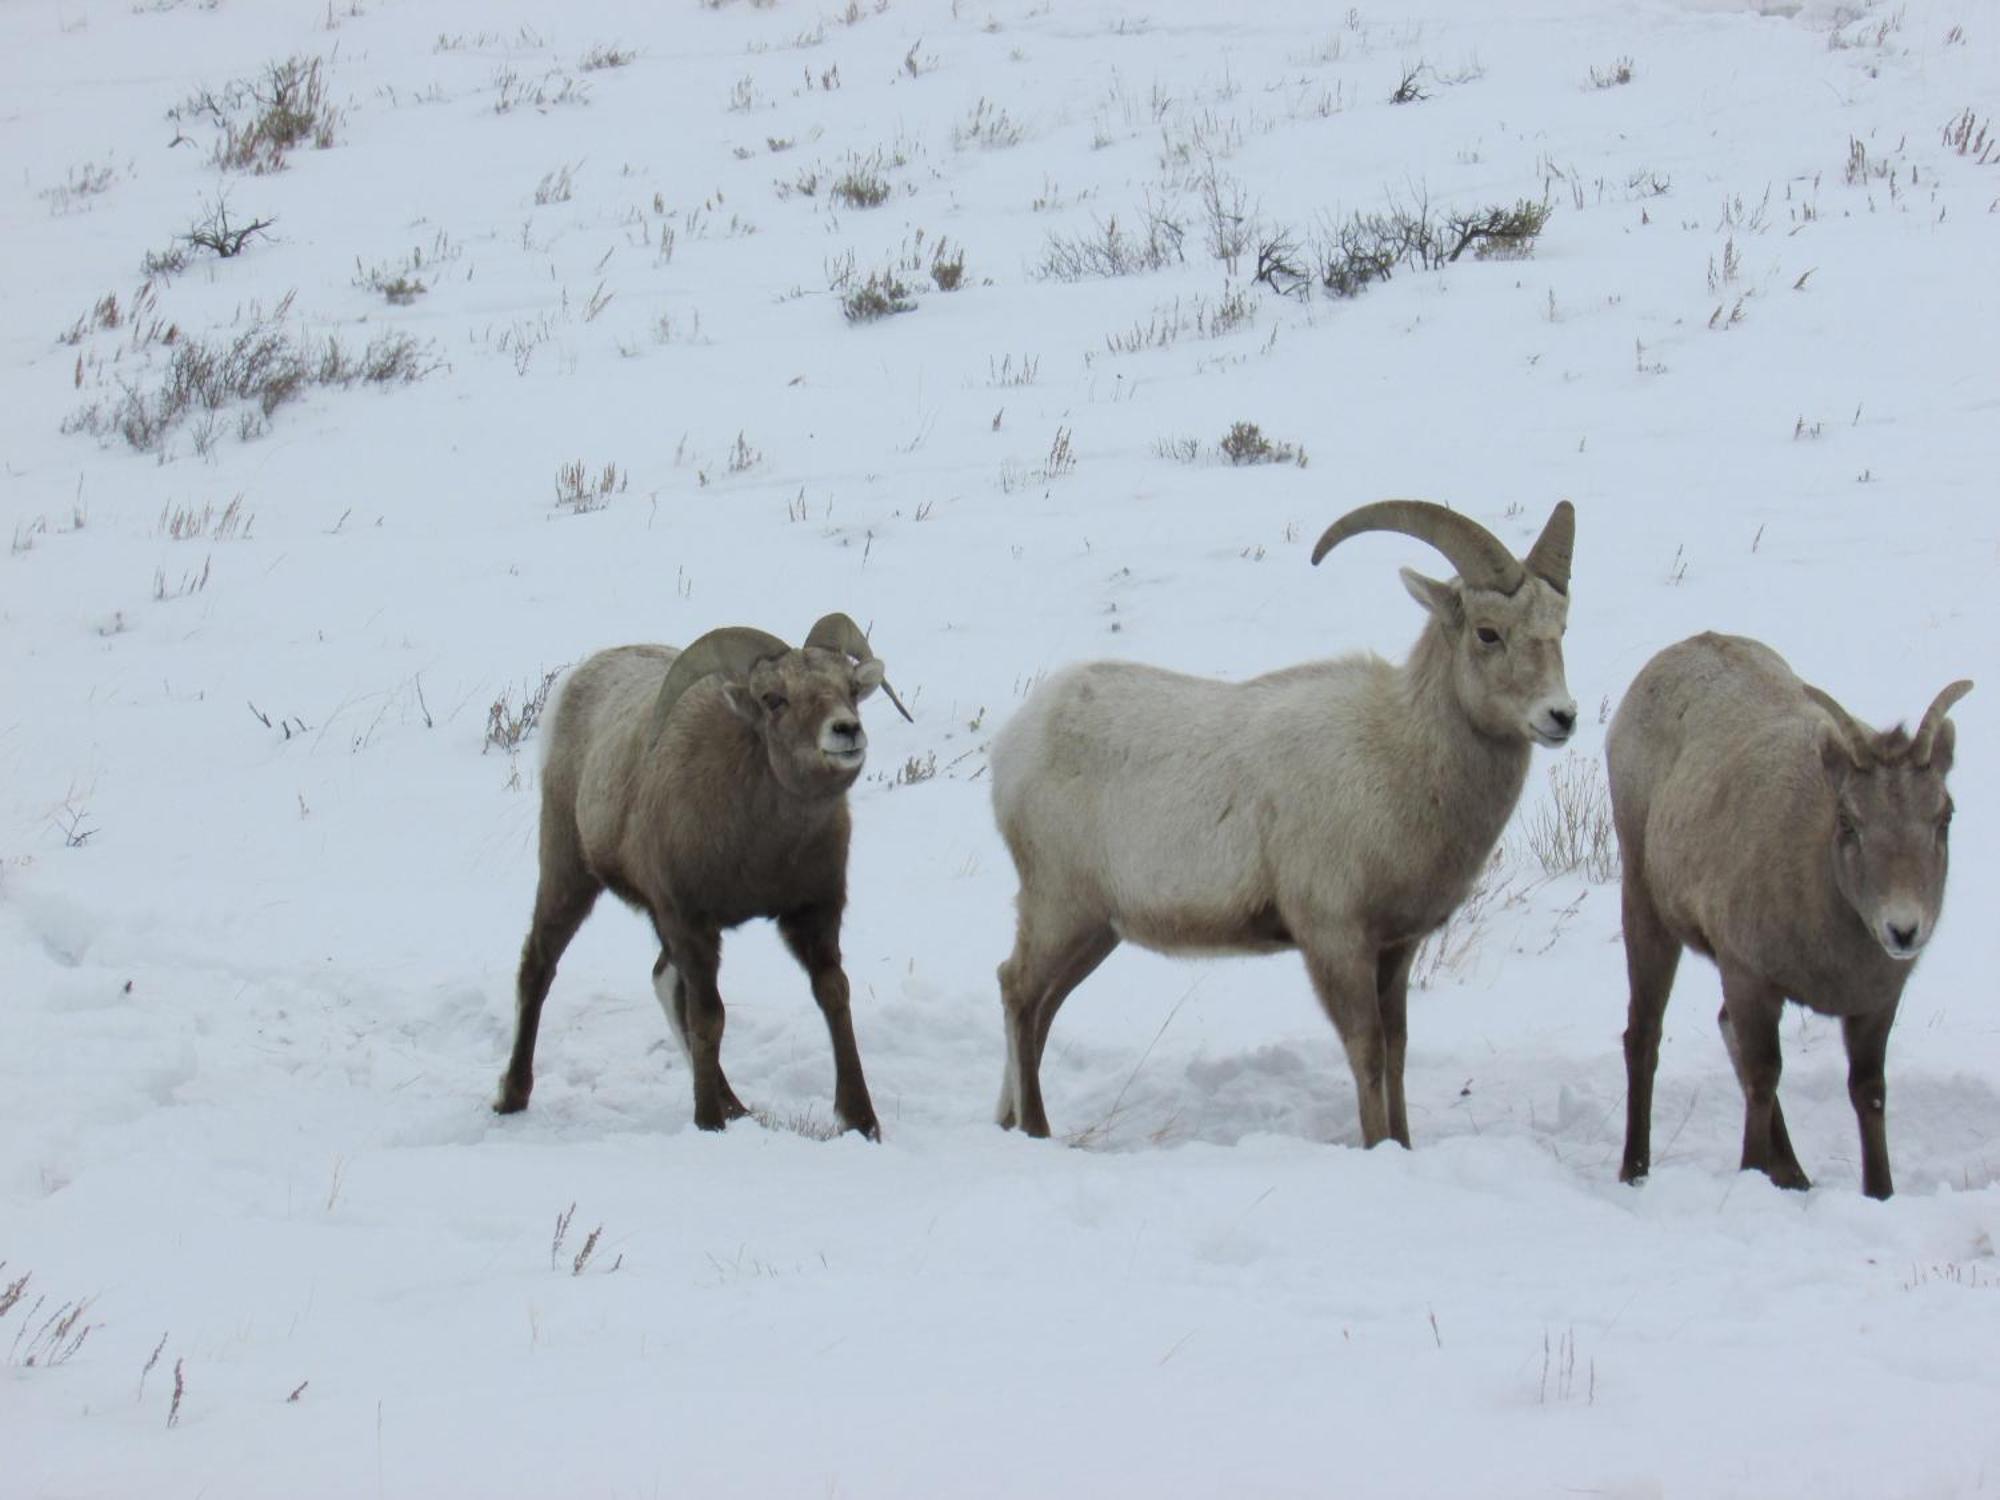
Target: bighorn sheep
[1763, 827]
[706, 787]
[1341, 807]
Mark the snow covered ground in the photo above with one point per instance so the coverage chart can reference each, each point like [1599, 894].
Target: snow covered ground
[256, 961]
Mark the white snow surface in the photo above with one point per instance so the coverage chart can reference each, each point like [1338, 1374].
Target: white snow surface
[256, 978]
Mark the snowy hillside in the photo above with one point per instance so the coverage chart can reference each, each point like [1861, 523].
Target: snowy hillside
[546, 329]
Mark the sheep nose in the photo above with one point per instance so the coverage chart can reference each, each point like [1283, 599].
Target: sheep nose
[1565, 718]
[844, 729]
[1902, 937]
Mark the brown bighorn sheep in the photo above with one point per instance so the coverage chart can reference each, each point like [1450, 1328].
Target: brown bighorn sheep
[1342, 807]
[706, 787]
[1763, 827]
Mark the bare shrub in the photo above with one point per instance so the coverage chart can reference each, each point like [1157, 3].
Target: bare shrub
[1620, 72]
[986, 127]
[262, 120]
[214, 231]
[862, 184]
[948, 267]
[261, 369]
[1112, 251]
[1497, 233]
[1245, 443]
[579, 493]
[511, 91]
[56, 1338]
[1570, 829]
[556, 186]
[881, 295]
[80, 185]
[804, 1122]
[1968, 135]
[1370, 247]
[605, 55]
[509, 723]
[183, 523]
[1450, 948]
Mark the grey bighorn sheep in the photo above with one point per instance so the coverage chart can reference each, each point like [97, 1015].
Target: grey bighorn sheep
[1762, 826]
[1343, 807]
[705, 787]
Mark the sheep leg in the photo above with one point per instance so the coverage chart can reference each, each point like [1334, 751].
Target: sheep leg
[1651, 957]
[1345, 980]
[1034, 982]
[1749, 1022]
[1867, 1047]
[1392, 983]
[671, 991]
[813, 936]
[560, 907]
[697, 958]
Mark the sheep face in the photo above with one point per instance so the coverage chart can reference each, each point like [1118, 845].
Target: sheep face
[1506, 655]
[1891, 835]
[803, 706]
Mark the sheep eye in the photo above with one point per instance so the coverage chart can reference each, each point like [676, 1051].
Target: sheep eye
[774, 702]
[1488, 636]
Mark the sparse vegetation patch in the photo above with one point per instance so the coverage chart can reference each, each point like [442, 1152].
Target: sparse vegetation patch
[1245, 443]
[260, 121]
[253, 373]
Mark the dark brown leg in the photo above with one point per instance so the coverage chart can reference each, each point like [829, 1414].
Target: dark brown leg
[697, 957]
[1651, 957]
[1344, 973]
[560, 907]
[1392, 989]
[671, 992]
[1749, 1020]
[1867, 1049]
[813, 935]
[1034, 982]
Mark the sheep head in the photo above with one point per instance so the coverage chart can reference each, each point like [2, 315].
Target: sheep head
[802, 702]
[1503, 616]
[1891, 818]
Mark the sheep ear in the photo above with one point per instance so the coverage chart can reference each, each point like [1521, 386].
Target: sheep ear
[868, 676]
[742, 702]
[1441, 599]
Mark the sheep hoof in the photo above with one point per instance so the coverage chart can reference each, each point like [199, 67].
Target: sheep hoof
[1634, 1172]
[867, 1128]
[512, 1100]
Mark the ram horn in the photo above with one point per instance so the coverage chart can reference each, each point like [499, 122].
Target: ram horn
[1549, 558]
[836, 632]
[1856, 737]
[1924, 742]
[1481, 558]
[732, 650]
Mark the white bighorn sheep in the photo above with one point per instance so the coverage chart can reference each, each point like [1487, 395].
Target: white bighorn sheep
[1343, 807]
[1762, 826]
[706, 787]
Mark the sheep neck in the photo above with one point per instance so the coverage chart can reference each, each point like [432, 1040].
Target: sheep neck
[1471, 779]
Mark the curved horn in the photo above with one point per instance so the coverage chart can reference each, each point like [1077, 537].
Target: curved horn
[1924, 741]
[1857, 737]
[1549, 558]
[836, 632]
[732, 649]
[1481, 558]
